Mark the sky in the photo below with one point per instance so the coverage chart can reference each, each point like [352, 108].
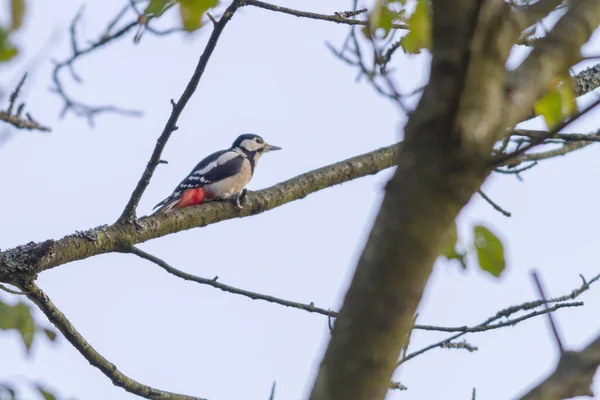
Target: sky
[271, 74]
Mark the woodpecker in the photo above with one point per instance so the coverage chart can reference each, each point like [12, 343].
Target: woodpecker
[222, 175]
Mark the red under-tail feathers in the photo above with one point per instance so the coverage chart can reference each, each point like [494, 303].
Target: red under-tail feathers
[189, 198]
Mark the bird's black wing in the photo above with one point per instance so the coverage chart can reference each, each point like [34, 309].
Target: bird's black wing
[213, 168]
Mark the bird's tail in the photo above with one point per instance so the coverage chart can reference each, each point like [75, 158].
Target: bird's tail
[188, 198]
[166, 205]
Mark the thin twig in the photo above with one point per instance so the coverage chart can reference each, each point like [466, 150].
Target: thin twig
[494, 204]
[489, 324]
[60, 321]
[77, 107]
[70, 104]
[567, 137]
[15, 118]
[129, 214]
[339, 17]
[540, 289]
[483, 328]
[226, 288]
[9, 290]
[503, 159]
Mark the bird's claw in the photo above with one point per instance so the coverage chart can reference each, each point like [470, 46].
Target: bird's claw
[240, 198]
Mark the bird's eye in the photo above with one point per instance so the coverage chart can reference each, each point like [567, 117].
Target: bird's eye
[259, 140]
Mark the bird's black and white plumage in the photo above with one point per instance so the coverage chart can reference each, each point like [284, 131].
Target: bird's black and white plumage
[222, 175]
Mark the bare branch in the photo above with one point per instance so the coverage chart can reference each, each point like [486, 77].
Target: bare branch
[70, 104]
[339, 17]
[60, 321]
[15, 118]
[129, 213]
[572, 377]
[540, 289]
[490, 323]
[9, 290]
[567, 137]
[494, 205]
[226, 288]
[486, 327]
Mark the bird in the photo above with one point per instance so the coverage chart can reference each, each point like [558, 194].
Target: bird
[220, 176]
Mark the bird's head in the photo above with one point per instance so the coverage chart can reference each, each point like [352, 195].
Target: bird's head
[252, 143]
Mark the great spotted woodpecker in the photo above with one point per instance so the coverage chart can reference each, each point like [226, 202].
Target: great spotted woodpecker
[222, 175]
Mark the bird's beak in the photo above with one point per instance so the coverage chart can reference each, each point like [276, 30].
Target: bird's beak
[270, 147]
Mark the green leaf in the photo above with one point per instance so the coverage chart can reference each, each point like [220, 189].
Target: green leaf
[558, 104]
[7, 50]
[419, 24]
[50, 334]
[26, 326]
[383, 16]
[156, 7]
[490, 251]
[18, 13]
[191, 12]
[45, 393]
[18, 317]
[449, 250]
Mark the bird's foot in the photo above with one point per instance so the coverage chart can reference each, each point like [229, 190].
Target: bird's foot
[240, 198]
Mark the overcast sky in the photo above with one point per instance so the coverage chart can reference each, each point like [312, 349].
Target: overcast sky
[270, 74]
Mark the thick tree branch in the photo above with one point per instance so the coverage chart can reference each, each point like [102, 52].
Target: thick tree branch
[553, 55]
[30, 259]
[435, 178]
[573, 375]
[448, 137]
[128, 214]
[35, 294]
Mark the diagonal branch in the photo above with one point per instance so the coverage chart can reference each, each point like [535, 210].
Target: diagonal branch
[572, 377]
[30, 259]
[482, 327]
[128, 214]
[35, 294]
[226, 288]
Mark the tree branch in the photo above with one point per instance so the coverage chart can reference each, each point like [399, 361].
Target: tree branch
[29, 259]
[553, 55]
[71, 104]
[340, 17]
[13, 115]
[128, 214]
[311, 308]
[35, 294]
[572, 377]
[435, 178]
[226, 288]
[490, 323]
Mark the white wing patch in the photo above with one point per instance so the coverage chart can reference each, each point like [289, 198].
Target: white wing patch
[219, 161]
[194, 177]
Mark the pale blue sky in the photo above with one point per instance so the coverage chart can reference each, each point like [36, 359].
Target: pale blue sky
[271, 74]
